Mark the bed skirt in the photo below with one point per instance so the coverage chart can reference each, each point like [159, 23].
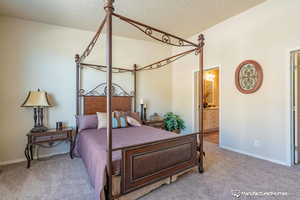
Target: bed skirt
[116, 186]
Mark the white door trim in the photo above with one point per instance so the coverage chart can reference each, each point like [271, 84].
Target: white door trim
[294, 109]
[194, 111]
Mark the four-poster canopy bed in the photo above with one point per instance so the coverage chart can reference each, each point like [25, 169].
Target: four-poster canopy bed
[142, 161]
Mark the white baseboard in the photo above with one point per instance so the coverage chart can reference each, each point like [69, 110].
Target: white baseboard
[221, 146]
[24, 159]
[255, 156]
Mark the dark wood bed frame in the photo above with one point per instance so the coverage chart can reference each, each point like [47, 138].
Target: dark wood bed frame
[147, 163]
[141, 164]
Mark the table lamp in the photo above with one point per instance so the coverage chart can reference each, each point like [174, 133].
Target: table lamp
[38, 100]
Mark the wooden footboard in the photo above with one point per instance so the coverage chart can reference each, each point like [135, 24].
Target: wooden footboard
[147, 163]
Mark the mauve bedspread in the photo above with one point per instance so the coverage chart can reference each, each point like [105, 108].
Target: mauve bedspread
[91, 147]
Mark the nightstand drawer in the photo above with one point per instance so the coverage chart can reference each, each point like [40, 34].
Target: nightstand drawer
[49, 138]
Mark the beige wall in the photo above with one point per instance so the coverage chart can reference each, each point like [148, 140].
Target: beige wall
[257, 124]
[39, 55]
[35, 55]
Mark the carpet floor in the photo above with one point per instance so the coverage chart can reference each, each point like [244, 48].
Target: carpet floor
[61, 178]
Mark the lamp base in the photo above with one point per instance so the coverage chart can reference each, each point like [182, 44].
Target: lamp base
[38, 129]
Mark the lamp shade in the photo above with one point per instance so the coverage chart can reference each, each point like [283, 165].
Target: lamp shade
[36, 99]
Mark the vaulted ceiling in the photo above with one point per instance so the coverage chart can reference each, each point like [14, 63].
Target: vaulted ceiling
[182, 17]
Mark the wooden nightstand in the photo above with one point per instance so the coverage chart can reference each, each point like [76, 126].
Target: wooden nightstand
[155, 123]
[48, 137]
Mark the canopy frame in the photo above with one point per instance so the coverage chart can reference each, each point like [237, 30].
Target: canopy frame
[156, 34]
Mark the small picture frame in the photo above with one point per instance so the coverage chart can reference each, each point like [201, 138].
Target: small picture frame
[59, 125]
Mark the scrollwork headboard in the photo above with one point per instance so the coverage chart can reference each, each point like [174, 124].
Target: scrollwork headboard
[95, 99]
[93, 104]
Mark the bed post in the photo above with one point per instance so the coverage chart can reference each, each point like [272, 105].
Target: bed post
[77, 58]
[201, 92]
[109, 10]
[134, 80]
[78, 68]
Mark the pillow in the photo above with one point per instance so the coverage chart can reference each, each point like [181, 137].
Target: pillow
[121, 116]
[123, 122]
[134, 115]
[117, 122]
[102, 120]
[133, 122]
[86, 122]
[114, 123]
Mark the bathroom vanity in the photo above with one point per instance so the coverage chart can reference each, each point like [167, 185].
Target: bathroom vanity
[211, 119]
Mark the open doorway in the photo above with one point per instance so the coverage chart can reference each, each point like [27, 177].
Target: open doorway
[295, 77]
[211, 103]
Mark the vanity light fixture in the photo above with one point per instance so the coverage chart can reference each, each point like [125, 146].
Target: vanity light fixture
[210, 77]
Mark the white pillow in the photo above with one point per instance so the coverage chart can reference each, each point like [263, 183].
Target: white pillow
[102, 120]
[133, 122]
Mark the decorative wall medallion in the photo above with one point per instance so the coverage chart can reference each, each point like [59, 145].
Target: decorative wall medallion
[248, 77]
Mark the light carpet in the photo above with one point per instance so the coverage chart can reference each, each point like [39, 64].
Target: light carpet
[61, 178]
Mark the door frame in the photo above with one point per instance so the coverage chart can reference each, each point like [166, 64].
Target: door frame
[293, 108]
[194, 93]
